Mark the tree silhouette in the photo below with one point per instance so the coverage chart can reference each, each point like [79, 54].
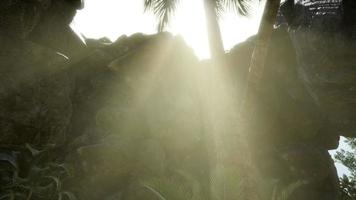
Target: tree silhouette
[164, 9]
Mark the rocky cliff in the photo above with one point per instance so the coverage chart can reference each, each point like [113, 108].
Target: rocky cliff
[131, 119]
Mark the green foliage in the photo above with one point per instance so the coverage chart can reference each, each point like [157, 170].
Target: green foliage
[38, 179]
[225, 185]
[348, 159]
[347, 188]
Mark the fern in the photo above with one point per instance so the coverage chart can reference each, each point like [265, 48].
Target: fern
[41, 179]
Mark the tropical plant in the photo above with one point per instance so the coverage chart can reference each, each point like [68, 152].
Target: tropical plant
[164, 9]
[348, 159]
[183, 186]
[347, 188]
[28, 173]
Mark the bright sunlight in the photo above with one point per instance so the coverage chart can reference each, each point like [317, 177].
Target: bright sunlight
[113, 18]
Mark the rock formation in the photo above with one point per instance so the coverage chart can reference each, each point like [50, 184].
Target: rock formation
[128, 119]
[290, 132]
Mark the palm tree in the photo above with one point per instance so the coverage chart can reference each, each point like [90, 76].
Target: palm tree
[213, 8]
[164, 9]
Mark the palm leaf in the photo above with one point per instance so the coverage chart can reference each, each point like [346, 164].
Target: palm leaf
[242, 7]
[163, 9]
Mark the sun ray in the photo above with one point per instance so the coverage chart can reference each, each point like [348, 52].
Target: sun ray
[113, 18]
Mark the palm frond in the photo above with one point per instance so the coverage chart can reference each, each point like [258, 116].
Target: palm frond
[241, 7]
[219, 8]
[163, 9]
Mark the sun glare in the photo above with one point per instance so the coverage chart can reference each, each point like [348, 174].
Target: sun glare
[113, 18]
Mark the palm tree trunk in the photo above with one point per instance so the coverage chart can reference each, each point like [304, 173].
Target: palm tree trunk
[214, 34]
[258, 59]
